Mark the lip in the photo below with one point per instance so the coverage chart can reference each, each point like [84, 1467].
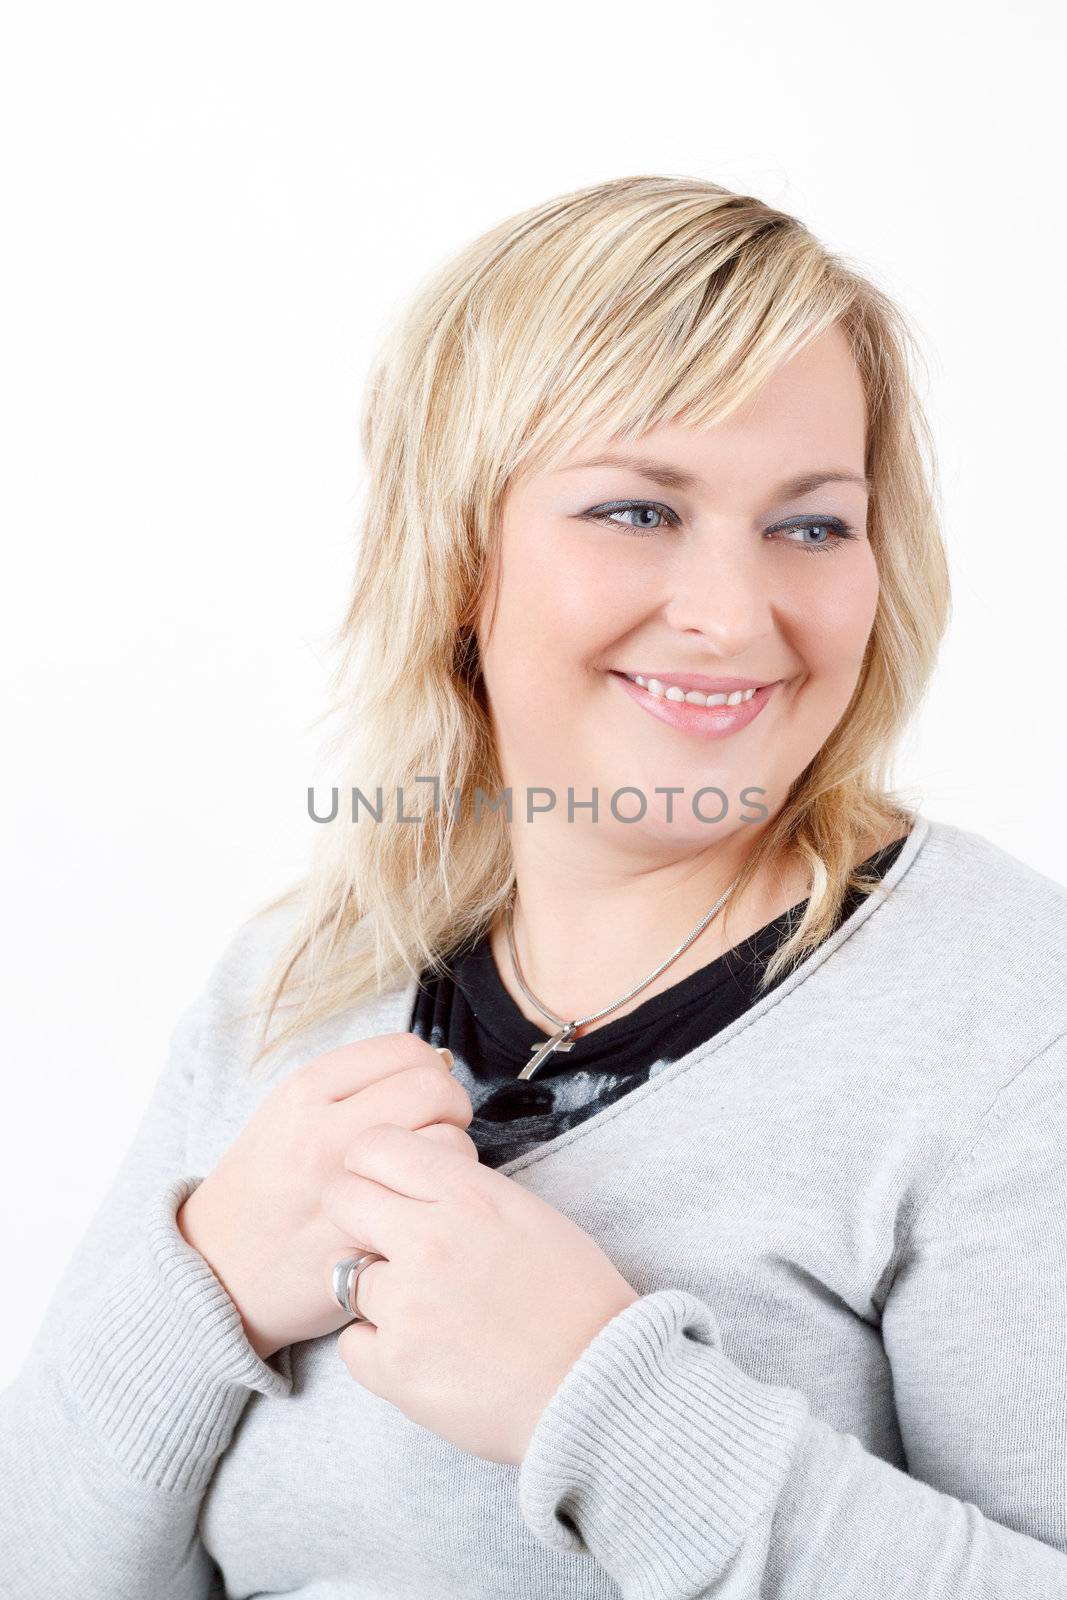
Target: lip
[709, 722]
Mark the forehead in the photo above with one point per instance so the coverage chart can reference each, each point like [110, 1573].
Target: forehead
[810, 412]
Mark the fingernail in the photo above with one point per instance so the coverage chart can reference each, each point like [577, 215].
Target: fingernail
[449, 1058]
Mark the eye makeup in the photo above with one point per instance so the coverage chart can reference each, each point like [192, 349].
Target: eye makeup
[837, 528]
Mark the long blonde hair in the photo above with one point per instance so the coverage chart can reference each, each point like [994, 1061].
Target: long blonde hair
[630, 303]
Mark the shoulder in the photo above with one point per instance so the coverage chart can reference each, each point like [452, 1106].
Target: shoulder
[956, 988]
[956, 848]
[251, 950]
[222, 1023]
[981, 934]
[231, 1012]
[988, 894]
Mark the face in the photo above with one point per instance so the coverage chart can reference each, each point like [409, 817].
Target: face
[713, 569]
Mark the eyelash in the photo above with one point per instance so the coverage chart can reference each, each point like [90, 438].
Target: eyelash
[838, 527]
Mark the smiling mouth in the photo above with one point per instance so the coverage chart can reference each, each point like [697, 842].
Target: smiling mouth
[680, 693]
[689, 712]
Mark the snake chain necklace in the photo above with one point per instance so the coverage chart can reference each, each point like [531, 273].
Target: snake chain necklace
[562, 1040]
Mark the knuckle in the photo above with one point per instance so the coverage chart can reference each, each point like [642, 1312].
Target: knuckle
[446, 1093]
[462, 1100]
[429, 1081]
[456, 1139]
[370, 1137]
[468, 1146]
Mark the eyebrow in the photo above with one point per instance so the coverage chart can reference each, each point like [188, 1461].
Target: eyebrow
[675, 478]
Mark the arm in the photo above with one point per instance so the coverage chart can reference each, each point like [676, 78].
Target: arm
[686, 1477]
[132, 1389]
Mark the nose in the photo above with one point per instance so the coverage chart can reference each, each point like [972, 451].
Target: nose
[718, 587]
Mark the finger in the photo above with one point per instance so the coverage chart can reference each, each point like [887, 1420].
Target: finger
[412, 1098]
[448, 1134]
[357, 1348]
[352, 1067]
[408, 1163]
[367, 1299]
[379, 1217]
[339, 1194]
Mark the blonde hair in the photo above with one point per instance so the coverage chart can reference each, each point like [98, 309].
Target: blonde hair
[630, 303]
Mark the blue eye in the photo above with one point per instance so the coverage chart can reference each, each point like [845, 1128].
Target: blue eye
[836, 530]
[621, 507]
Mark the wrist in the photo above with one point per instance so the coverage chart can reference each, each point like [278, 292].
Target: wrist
[190, 1224]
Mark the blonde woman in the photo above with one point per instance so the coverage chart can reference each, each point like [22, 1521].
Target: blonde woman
[729, 1257]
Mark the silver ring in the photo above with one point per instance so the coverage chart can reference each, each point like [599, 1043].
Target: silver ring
[345, 1277]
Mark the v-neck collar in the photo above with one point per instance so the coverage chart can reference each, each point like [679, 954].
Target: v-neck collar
[514, 1035]
[392, 1011]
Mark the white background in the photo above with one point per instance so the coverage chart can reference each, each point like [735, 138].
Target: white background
[210, 212]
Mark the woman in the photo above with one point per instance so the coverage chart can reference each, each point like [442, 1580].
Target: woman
[729, 1258]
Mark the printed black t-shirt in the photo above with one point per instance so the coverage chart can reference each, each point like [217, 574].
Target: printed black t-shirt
[469, 1010]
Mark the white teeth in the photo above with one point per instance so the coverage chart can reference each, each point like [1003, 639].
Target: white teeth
[693, 696]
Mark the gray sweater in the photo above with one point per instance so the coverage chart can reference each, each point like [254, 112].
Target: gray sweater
[846, 1374]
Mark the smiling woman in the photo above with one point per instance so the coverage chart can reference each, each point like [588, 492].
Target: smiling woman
[645, 337]
[728, 1257]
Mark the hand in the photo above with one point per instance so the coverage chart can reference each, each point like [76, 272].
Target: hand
[256, 1218]
[485, 1300]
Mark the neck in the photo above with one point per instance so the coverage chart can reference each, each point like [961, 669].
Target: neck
[588, 928]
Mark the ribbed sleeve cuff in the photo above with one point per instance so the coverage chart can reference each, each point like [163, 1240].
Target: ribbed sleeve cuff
[657, 1453]
[160, 1362]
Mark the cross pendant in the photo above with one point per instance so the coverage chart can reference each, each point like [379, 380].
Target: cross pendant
[558, 1041]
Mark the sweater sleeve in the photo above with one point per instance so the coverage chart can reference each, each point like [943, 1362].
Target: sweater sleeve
[683, 1475]
[133, 1386]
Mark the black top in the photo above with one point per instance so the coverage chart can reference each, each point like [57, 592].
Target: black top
[469, 1010]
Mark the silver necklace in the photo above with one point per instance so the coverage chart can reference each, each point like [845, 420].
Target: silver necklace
[562, 1040]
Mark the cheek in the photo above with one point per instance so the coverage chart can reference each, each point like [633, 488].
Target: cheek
[835, 617]
[533, 641]
[560, 604]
